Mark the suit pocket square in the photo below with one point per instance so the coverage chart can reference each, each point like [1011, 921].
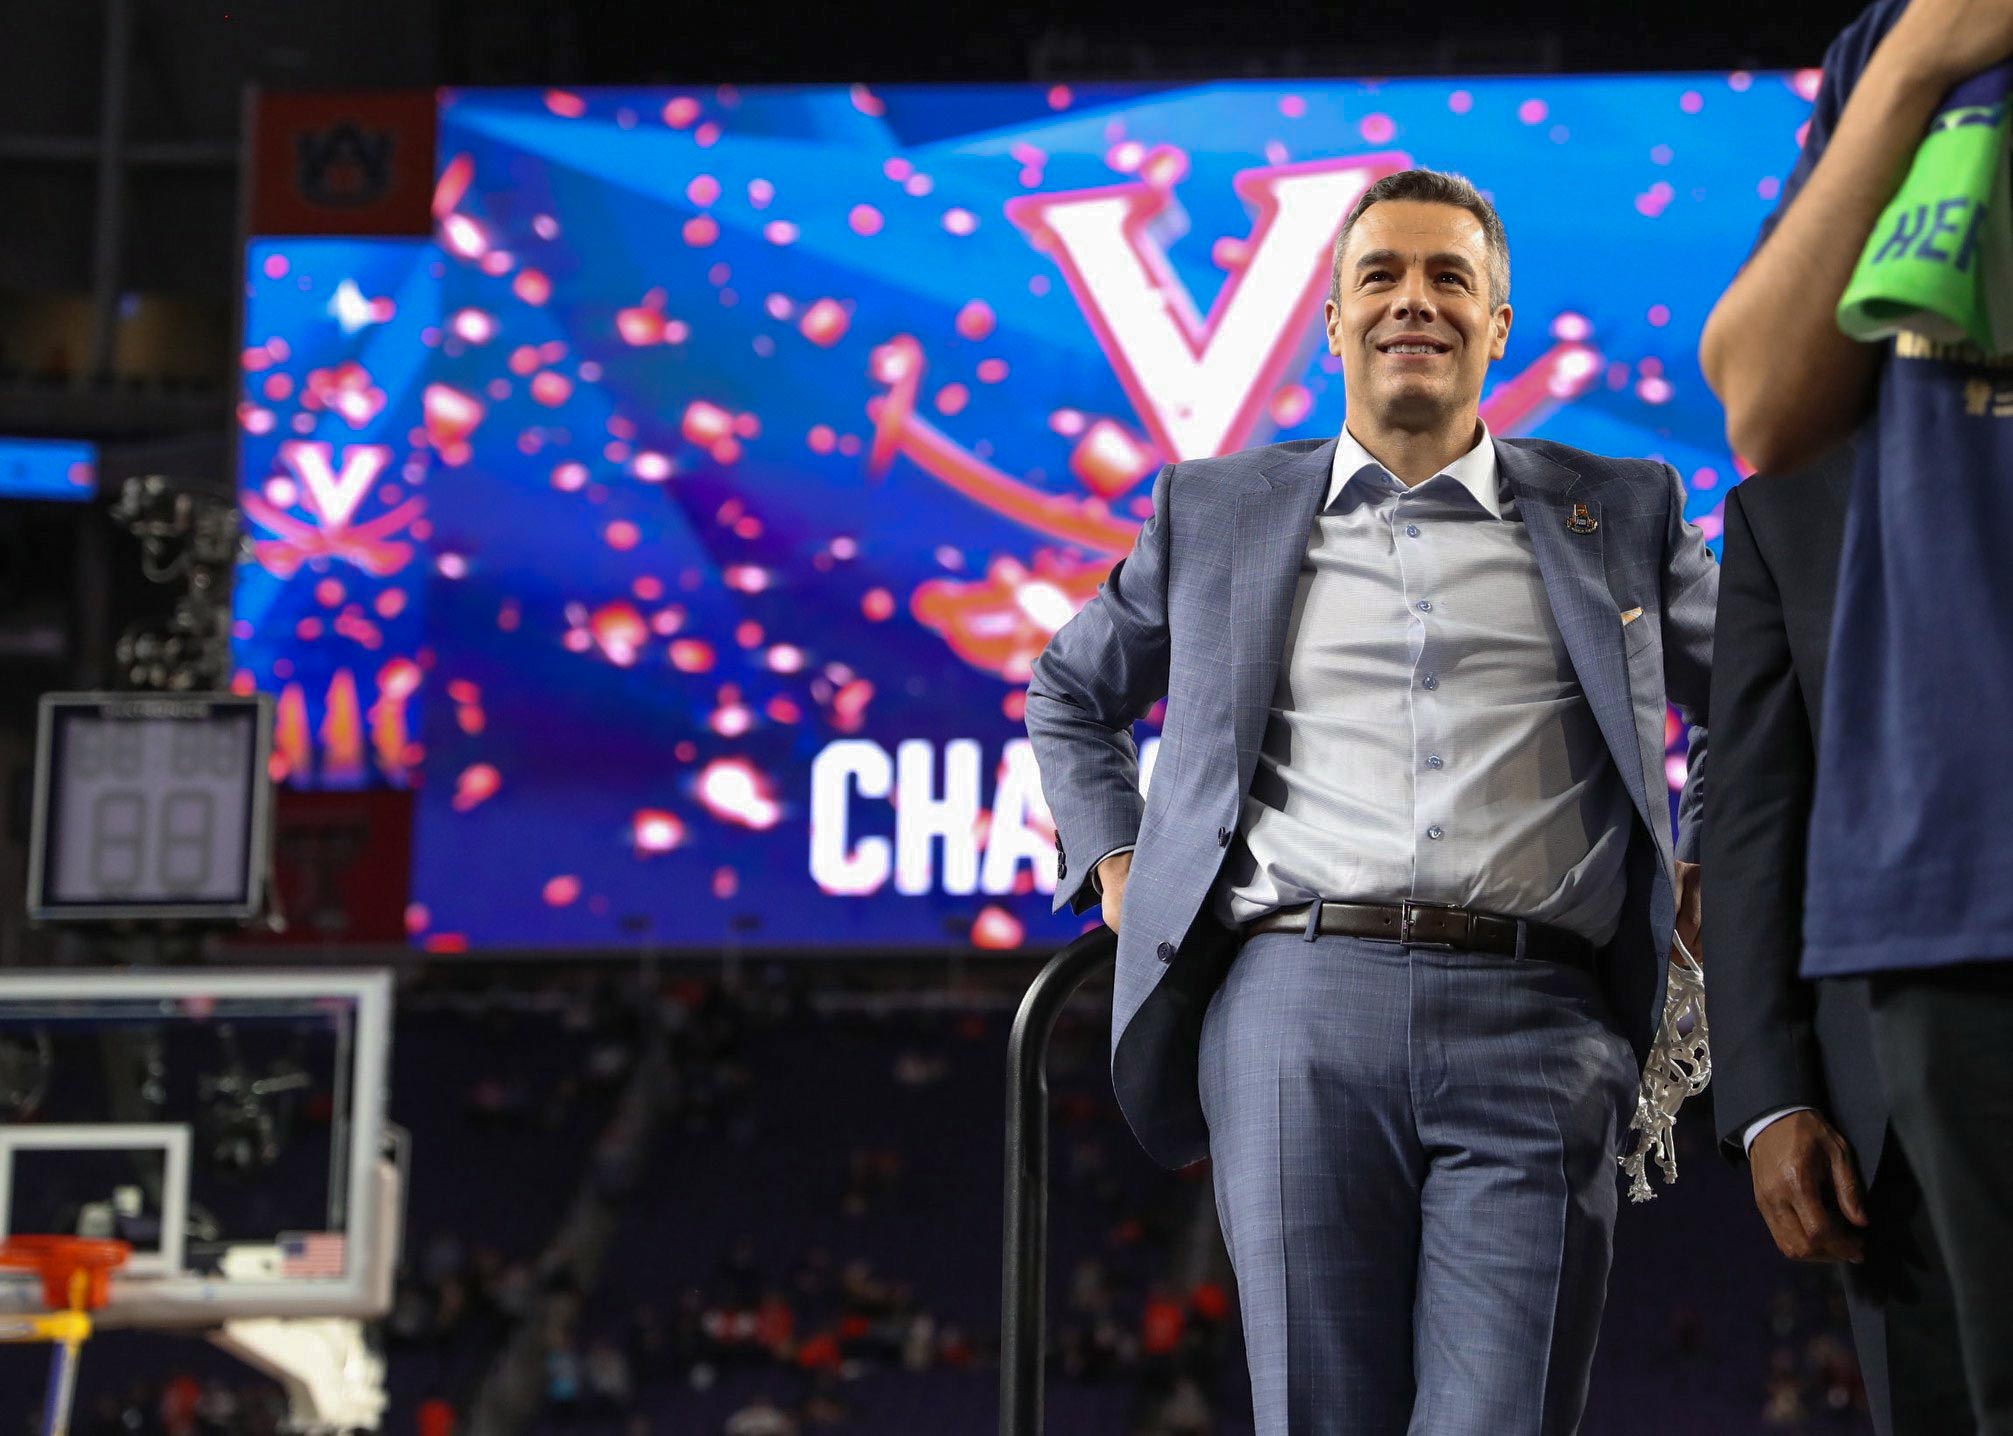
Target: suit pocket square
[1630, 615]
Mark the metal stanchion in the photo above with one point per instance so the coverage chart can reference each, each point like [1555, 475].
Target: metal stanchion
[1023, 1315]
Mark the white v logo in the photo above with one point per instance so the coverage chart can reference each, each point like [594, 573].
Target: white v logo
[1200, 386]
[334, 497]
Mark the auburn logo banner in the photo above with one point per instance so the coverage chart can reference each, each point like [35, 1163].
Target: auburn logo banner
[342, 163]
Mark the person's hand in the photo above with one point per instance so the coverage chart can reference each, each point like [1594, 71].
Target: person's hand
[1804, 1181]
[1952, 40]
[1689, 912]
[1111, 875]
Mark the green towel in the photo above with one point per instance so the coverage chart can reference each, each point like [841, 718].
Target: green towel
[1940, 261]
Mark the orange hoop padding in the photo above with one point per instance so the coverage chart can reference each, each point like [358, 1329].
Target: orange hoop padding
[59, 1259]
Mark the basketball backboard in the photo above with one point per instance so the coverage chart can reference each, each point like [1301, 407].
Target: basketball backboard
[230, 1124]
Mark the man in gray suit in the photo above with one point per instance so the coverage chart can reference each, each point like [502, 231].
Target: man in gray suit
[1393, 920]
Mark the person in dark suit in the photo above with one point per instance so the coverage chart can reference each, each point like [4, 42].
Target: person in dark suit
[1796, 1089]
[1909, 882]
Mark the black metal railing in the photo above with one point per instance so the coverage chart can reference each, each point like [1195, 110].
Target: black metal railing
[1024, 1298]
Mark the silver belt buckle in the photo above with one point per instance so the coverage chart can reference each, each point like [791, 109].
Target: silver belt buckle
[1406, 909]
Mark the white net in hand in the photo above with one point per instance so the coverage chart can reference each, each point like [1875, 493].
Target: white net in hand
[1679, 1066]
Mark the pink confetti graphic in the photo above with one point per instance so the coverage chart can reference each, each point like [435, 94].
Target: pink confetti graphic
[531, 286]
[451, 417]
[345, 390]
[1001, 623]
[692, 655]
[477, 784]
[1110, 460]
[735, 791]
[995, 929]
[825, 323]
[655, 831]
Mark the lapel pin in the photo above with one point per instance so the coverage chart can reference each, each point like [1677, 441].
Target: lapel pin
[1581, 522]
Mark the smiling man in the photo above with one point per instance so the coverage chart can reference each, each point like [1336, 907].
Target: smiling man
[1392, 924]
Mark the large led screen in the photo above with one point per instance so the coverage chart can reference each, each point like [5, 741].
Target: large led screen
[771, 432]
[332, 463]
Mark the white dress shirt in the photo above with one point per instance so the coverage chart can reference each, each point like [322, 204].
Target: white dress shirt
[1428, 737]
[1762, 1124]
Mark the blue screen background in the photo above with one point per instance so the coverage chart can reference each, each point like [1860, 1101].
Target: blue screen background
[665, 566]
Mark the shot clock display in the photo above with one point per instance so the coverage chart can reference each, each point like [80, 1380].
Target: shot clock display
[150, 806]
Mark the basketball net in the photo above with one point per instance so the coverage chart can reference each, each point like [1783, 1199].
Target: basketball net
[1679, 1066]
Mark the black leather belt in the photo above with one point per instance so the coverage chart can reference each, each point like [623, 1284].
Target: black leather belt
[1424, 924]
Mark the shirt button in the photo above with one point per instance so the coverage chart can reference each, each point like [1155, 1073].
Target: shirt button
[1425, 605]
[1436, 832]
[1435, 762]
[1431, 681]
[1223, 837]
[1412, 530]
[1165, 952]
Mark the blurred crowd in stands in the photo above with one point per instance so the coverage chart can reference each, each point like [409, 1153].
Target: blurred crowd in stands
[802, 1218]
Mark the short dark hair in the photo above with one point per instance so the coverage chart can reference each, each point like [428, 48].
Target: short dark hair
[1434, 187]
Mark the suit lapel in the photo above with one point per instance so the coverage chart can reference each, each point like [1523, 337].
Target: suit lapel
[1274, 515]
[1278, 507]
[1574, 568]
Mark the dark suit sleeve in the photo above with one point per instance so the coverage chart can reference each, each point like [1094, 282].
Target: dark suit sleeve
[1690, 593]
[1757, 813]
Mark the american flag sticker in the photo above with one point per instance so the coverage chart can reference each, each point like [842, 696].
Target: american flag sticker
[312, 1254]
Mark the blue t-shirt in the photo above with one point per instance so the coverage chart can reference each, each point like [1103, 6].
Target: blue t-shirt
[1911, 837]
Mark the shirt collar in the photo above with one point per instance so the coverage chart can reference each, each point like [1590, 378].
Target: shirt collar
[1474, 471]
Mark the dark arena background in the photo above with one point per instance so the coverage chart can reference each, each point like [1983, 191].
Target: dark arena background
[607, 470]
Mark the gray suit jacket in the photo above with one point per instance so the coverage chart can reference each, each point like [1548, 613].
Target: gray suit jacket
[1198, 612]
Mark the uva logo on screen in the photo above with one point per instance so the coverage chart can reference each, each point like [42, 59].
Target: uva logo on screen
[1201, 385]
[331, 497]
